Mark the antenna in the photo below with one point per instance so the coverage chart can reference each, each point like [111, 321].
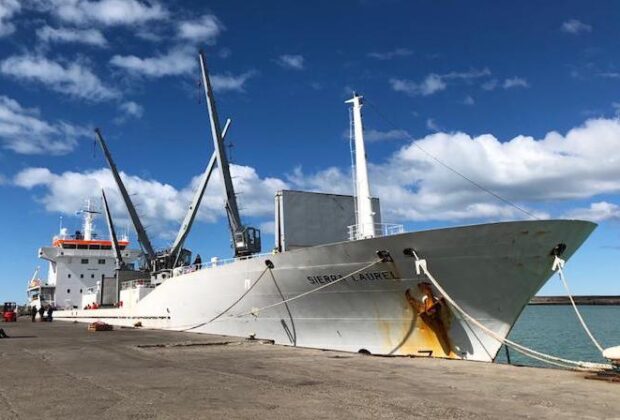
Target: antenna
[142, 236]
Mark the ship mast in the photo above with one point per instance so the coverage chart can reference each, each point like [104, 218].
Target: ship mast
[365, 215]
[89, 217]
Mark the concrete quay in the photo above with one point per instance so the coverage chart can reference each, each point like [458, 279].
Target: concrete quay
[60, 370]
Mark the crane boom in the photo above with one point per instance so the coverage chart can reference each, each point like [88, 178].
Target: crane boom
[113, 238]
[195, 204]
[218, 143]
[135, 219]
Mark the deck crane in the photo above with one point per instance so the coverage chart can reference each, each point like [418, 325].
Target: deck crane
[195, 204]
[176, 255]
[133, 214]
[246, 240]
[120, 264]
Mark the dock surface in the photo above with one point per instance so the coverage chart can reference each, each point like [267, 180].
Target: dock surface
[60, 370]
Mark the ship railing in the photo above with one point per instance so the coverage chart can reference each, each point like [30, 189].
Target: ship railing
[215, 262]
[134, 284]
[372, 230]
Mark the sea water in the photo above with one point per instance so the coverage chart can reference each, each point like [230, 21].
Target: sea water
[555, 330]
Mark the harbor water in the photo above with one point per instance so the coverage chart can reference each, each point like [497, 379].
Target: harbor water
[556, 330]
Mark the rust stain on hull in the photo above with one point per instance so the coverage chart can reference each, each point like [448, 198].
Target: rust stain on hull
[423, 330]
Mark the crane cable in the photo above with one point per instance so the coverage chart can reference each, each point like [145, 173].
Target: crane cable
[451, 169]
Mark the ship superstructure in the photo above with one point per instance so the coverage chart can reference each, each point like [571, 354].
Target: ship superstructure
[338, 277]
[78, 263]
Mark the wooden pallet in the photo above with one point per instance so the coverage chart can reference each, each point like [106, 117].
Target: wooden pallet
[100, 326]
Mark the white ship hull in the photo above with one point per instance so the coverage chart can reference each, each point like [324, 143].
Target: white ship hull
[491, 270]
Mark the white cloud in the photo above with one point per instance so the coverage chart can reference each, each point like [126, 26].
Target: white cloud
[161, 206]
[490, 84]
[73, 79]
[133, 109]
[469, 100]
[175, 62]
[291, 61]
[574, 26]
[104, 12]
[204, 29]
[72, 35]
[388, 55]
[129, 110]
[515, 82]
[580, 164]
[372, 135]
[23, 131]
[178, 62]
[8, 8]
[432, 125]
[434, 82]
[597, 212]
[3, 180]
[230, 82]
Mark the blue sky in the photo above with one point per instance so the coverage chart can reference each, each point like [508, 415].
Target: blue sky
[521, 97]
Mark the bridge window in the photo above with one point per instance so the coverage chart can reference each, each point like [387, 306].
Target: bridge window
[68, 290]
[81, 276]
[101, 261]
[84, 260]
[69, 275]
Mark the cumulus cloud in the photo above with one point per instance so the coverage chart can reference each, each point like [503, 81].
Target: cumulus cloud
[104, 12]
[8, 8]
[434, 82]
[175, 62]
[597, 212]
[412, 186]
[580, 164]
[204, 29]
[161, 206]
[73, 79]
[373, 135]
[515, 82]
[509, 83]
[129, 110]
[230, 82]
[469, 100]
[72, 35]
[23, 131]
[132, 108]
[388, 55]
[574, 26]
[291, 61]
[179, 62]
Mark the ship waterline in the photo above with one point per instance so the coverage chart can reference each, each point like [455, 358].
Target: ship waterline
[491, 270]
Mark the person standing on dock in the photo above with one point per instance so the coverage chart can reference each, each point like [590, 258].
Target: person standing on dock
[41, 312]
[33, 313]
[50, 312]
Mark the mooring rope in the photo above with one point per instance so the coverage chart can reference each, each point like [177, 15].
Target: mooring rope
[558, 265]
[421, 265]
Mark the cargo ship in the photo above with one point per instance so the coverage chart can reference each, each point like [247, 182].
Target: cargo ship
[338, 277]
